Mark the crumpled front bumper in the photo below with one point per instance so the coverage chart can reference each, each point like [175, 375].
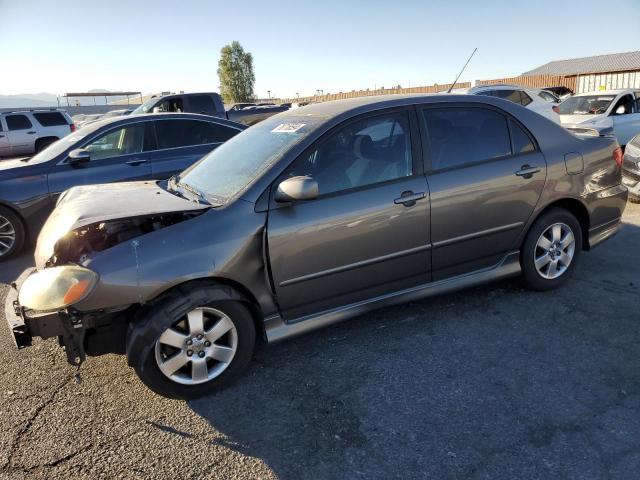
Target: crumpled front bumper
[25, 324]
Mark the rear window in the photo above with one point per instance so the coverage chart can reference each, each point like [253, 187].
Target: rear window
[50, 119]
[201, 104]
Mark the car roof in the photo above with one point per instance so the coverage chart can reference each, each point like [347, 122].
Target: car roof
[335, 108]
[123, 120]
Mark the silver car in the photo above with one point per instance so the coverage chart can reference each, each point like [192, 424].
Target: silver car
[308, 218]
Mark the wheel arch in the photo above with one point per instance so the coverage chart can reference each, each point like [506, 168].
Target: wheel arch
[227, 289]
[40, 140]
[577, 209]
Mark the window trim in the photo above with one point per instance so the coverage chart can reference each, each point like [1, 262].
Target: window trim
[417, 167]
[428, 165]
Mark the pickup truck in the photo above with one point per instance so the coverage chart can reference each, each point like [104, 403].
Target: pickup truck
[208, 103]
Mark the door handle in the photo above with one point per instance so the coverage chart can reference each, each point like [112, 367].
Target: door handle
[527, 171]
[408, 198]
[31, 132]
[136, 161]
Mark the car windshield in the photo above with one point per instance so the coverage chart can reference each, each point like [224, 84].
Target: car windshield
[145, 107]
[586, 105]
[235, 164]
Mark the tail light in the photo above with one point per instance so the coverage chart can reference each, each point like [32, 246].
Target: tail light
[617, 156]
[556, 109]
[72, 127]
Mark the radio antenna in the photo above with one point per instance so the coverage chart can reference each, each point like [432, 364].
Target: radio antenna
[465, 66]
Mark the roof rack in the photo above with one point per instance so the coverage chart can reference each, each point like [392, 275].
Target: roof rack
[43, 109]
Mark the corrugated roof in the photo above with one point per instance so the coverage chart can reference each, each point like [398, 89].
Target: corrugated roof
[616, 62]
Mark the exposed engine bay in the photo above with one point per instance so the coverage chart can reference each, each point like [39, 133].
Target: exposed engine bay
[81, 244]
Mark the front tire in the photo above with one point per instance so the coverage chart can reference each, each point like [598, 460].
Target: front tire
[12, 234]
[188, 346]
[551, 250]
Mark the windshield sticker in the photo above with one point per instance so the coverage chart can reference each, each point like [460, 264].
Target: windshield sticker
[288, 127]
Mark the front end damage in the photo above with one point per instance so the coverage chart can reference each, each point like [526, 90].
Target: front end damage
[42, 303]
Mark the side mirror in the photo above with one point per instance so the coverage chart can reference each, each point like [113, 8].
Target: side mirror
[296, 188]
[621, 110]
[79, 155]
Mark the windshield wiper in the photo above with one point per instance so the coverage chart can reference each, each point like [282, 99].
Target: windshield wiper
[194, 191]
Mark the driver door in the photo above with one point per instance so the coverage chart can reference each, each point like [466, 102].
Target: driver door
[367, 232]
[118, 155]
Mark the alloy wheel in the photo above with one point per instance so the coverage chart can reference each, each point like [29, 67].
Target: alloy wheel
[198, 347]
[7, 235]
[554, 251]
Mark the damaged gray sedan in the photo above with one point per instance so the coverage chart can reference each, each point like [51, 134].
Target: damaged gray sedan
[308, 218]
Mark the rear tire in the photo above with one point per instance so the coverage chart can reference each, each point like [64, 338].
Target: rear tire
[12, 234]
[176, 358]
[43, 143]
[551, 250]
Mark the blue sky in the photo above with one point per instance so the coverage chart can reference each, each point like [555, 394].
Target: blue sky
[298, 46]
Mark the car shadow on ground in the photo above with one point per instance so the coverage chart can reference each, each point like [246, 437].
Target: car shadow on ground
[11, 269]
[478, 383]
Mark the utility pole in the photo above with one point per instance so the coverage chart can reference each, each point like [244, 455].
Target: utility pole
[269, 94]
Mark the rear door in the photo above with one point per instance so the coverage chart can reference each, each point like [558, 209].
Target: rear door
[21, 134]
[367, 233]
[486, 175]
[118, 154]
[182, 142]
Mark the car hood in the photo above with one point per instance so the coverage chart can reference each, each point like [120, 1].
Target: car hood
[576, 119]
[81, 206]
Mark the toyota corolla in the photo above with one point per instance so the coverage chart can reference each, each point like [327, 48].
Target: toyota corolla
[308, 218]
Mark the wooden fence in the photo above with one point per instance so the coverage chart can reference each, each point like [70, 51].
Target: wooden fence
[535, 81]
[436, 88]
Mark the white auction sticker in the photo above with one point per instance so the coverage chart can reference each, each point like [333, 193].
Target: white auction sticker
[288, 127]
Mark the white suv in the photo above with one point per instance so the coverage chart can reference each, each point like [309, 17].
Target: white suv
[537, 100]
[31, 131]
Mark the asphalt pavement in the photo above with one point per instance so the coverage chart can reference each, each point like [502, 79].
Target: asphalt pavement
[491, 383]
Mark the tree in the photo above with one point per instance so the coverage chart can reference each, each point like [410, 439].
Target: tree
[235, 70]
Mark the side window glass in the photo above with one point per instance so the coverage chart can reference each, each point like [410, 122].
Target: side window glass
[511, 95]
[365, 152]
[461, 136]
[624, 106]
[18, 122]
[123, 141]
[201, 104]
[521, 141]
[525, 99]
[185, 133]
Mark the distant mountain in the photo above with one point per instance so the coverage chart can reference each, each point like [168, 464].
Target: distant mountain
[28, 100]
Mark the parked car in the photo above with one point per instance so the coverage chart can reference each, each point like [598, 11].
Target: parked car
[118, 113]
[111, 150]
[529, 98]
[308, 218]
[561, 92]
[631, 169]
[24, 132]
[88, 119]
[209, 103]
[609, 112]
